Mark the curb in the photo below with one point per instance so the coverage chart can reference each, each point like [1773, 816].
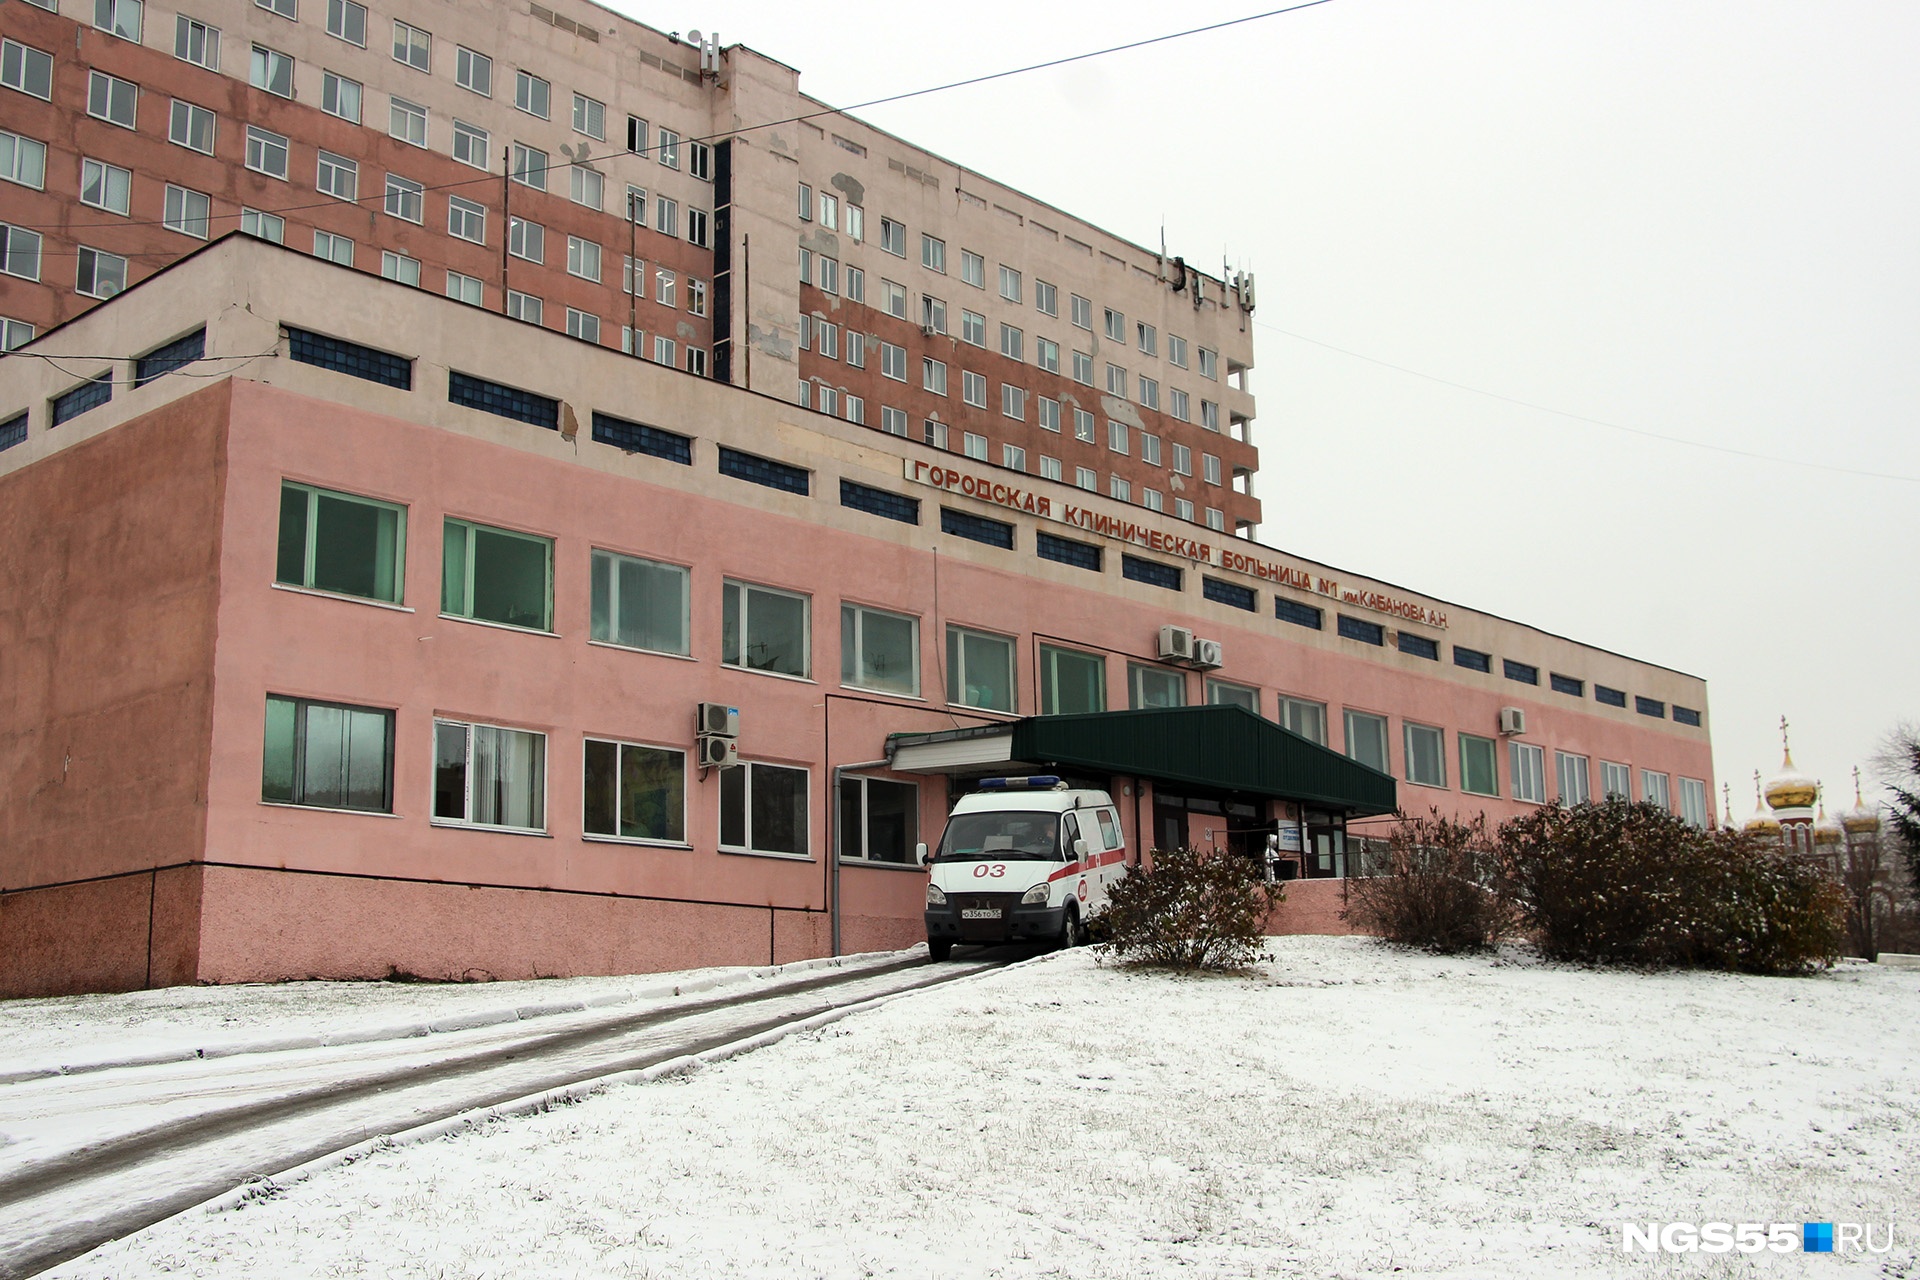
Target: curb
[439, 1026]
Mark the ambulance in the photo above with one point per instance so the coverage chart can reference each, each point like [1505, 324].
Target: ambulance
[1022, 860]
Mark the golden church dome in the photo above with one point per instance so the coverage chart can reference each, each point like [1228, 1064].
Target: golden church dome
[1862, 819]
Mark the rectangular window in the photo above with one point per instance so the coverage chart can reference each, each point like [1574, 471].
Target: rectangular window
[1083, 368]
[466, 220]
[1419, 646]
[345, 21]
[1154, 687]
[14, 430]
[1071, 682]
[1117, 437]
[1367, 740]
[583, 325]
[973, 269]
[763, 809]
[340, 96]
[1693, 802]
[526, 240]
[327, 755]
[894, 422]
[486, 776]
[191, 127]
[933, 312]
[1050, 468]
[1046, 354]
[668, 150]
[893, 299]
[1609, 697]
[1477, 765]
[1209, 364]
[762, 471]
[700, 161]
[1567, 685]
[407, 121]
[893, 362]
[399, 267]
[1080, 555]
[1012, 342]
[29, 70]
[590, 117]
[1009, 284]
[637, 137]
[338, 176]
[1426, 749]
[412, 46]
[634, 792]
[1182, 460]
[1653, 789]
[1182, 509]
[933, 375]
[666, 216]
[1526, 768]
[963, 524]
[588, 187]
[1686, 716]
[973, 388]
[122, 17]
[473, 71]
[196, 42]
[980, 669]
[90, 394]
[1085, 478]
[1013, 403]
[531, 94]
[1520, 671]
[893, 237]
[1082, 309]
[699, 231]
[406, 199]
[169, 357]
[267, 152]
[765, 629]
[1472, 659]
[640, 604]
[96, 274]
[1229, 593]
[1223, 693]
[1083, 425]
[529, 166]
[974, 445]
[341, 543]
[1152, 500]
[933, 253]
[637, 437]
[525, 308]
[1151, 572]
[879, 651]
[583, 259]
[1360, 629]
[879, 820]
[1575, 779]
[1176, 351]
[111, 99]
[1150, 394]
[1120, 488]
[1209, 414]
[1149, 339]
[1616, 781]
[105, 186]
[1049, 414]
[340, 356]
[272, 71]
[186, 212]
[467, 289]
[1650, 707]
[1177, 404]
[496, 575]
[880, 502]
[1308, 719]
[1116, 325]
[1116, 380]
[1046, 298]
[1209, 468]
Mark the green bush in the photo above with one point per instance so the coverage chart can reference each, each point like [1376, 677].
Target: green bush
[1190, 910]
[1433, 887]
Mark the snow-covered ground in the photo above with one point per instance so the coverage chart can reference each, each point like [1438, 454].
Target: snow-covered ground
[1352, 1110]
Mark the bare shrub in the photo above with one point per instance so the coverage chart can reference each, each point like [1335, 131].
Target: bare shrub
[1190, 910]
[1433, 887]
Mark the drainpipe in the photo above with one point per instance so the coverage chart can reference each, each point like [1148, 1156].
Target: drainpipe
[833, 843]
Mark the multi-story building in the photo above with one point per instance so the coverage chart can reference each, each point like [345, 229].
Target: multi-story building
[348, 630]
[577, 170]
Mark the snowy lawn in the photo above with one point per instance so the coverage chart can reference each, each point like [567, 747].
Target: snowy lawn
[1352, 1110]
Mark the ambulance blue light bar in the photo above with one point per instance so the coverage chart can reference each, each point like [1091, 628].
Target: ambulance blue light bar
[1038, 782]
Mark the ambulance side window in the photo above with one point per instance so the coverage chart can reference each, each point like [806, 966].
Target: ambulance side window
[1109, 829]
[1069, 832]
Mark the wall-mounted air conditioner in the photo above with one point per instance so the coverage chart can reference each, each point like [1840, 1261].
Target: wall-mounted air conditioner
[715, 752]
[1176, 644]
[1513, 720]
[1206, 654]
[716, 718]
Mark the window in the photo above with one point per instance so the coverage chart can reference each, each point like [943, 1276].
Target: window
[699, 232]
[1177, 404]
[700, 161]
[1229, 593]
[933, 312]
[1610, 697]
[122, 17]
[583, 325]
[526, 240]
[328, 755]
[1149, 339]
[1082, 313]
[191, 127]
[1012, 342]
[640, 604]
[583, 259]
[934, 432]
[879, 820]
[15, 334]
[345, 21]
[1477, 765]
[893, 362]
[1616, 781]
[1013, 403]
[1224, 693]
[1117, 437]
[637, 437]
[1526, 766]
[1209, 414]
[1151, 572]
[1150, 393]
[266, 152]
[349, 358]
[272, 70]
[933, 253]
[964, 524]
[1426, 755]
[531, 93]
[1650, 707]
[1182, 509]
[973, 328]
[1150, 448]
[1418, 646]
[634, 792]
[1686, 716]
[338, 176]
[407, 121]
[973, 269]
[893, 299]
[980, 669]
[399, 267]
[1216, 520]
[1085, 478]
[1154, 687]
[1071, 682]
[933, 375]
[1152, 500]
[1049, 414]
[1520, 671]
[856, 285]
[96, 274]
[1083, 368]
[1046, 298]
[529, 166]
[637, 137]
[856, 223]
[105, 186]
[1472, 659]
[486, 776]
[1308, 719]
[1176, 351]
[466, 220]
[590, 117]
[879, 651]
[412, 46]
[496, 575]
[1182, 460]
[1009, 284]
[406, 199]
[763, 809]
[973, 388]
[29, 70]
[893, 237]
[1575, 779]
[1693, 802]
[1046, 354]
[186, 212]
[894, 422]
[1209, 364]
[1050, 468]
[974, 445]
[764, 629]
[1116, 326]
[1567, 685]
[1653, 789]
[1367, 740]
[1080, 555]
[507, 402]
[473, 71]
[1360, 629]
[1209, 468]
[340, 96]
[668, 150]
[664, 283]
[666, 216]
[341, 543]
[589, 186]
[467, 289]
[71, 403]
[1083, 425]
[109, 98]
[196, 42]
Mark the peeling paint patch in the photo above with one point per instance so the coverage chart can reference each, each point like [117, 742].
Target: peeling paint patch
[851, 187]
[821, 241]
[1121, 411]
[770, 342]
[686, 331]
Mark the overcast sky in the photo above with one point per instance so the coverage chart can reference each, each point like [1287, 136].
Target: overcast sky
[1698, 219]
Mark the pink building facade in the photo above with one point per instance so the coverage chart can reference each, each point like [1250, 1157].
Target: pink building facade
[368, 641]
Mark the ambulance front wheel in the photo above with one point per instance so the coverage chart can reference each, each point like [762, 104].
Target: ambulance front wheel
[939, 948]
[1072, 932]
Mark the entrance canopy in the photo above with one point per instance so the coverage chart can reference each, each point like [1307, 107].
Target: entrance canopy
[1219, 748]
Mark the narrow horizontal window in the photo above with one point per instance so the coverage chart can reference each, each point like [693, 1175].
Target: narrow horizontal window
[1228, 593]
[350, 358]
[90, 394]
[765, 471]
[1686, 716]
[1419, 646]
[1080, 555]
[1363, 631]
[163, 360]
[879, 502]
[1650, 707]
[1567, 685]
[1472, 659]
[1300, 615]
[1520, 671]
[1151, 572]
[1611, 697]
[508, 402]
[962, 524]
[14, 430]
[637, 437]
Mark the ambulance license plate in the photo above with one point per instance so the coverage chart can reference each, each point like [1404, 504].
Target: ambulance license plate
[979, 913]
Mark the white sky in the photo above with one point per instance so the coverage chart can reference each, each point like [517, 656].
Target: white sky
[1695, 219]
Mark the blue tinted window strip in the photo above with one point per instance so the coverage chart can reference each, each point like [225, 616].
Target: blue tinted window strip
[508, 402]
[961, 524]
[1150, 572]
[1066, 551]
[13, 430]
[177, 354]
[1301, 615]
[1228, 593]
[765, 471]
[350, 358]
[88, 395]
[637, 437]
[879, 502]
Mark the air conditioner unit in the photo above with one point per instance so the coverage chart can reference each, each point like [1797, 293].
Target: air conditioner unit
[716, 719]
[1513, 720]
[928, 331]
[715, 752]
[1176, 644]
[1206, 654]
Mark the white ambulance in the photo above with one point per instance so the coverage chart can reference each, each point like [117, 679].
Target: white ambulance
[1023, 859]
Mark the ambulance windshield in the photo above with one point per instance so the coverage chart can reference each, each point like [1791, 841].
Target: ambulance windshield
[1006, 835]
